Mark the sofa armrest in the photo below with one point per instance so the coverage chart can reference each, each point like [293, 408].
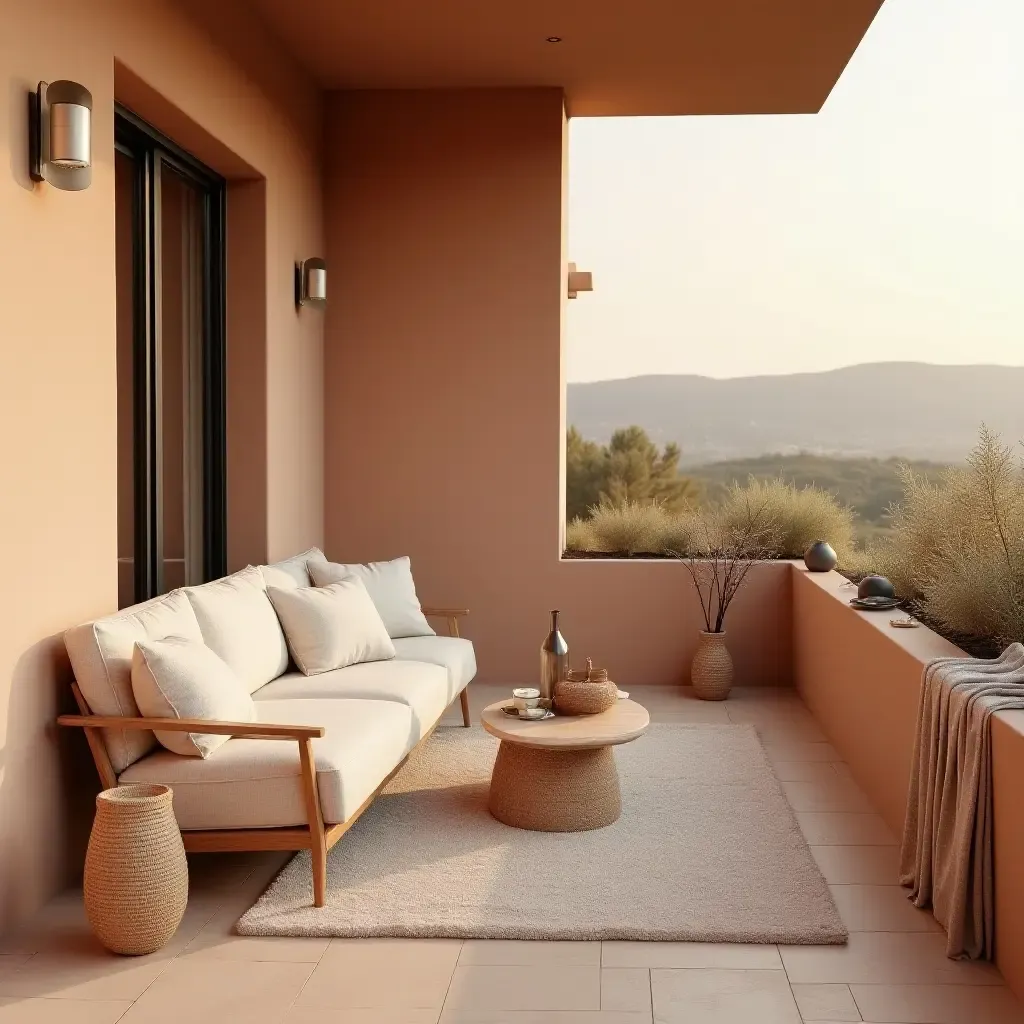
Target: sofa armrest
[451, 614]
[248, 730]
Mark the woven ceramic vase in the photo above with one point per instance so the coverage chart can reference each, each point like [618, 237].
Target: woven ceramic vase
[136, 875]
[711, 671]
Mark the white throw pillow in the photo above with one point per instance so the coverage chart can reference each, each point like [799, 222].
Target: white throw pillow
[391, 588]
[238, 622]
[181, 678]
[101, 655]
[292, 572]
[331, 627]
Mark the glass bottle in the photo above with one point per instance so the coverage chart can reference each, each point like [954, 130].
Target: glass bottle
[554, 659]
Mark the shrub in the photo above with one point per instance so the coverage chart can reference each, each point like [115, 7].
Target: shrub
[788, 520]
[579, 535]
[957, 545]
[681, 534]
[795, 516]
[632, 527]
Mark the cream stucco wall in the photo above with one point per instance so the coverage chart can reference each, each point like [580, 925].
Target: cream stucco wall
[211, 77]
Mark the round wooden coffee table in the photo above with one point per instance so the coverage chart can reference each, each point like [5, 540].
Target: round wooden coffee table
[559, 775]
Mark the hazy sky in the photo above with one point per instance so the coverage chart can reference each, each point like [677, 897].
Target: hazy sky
[890, 226]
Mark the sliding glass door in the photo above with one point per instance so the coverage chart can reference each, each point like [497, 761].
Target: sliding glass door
[170, 365]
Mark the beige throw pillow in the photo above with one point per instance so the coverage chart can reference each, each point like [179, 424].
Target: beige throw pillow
[331, 627]
[391, 588]
[182, 678]
[238, 622]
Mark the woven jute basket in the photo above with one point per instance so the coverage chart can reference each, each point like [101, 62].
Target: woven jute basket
[711, 671]
[585, 692]
[136, 875]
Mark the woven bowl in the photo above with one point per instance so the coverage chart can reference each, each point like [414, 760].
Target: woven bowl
[584, 697]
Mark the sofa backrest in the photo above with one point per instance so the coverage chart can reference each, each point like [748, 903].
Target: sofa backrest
[101, 656]
[233, 616]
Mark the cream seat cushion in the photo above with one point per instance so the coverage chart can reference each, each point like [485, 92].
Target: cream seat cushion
[179, 678]
[391, 588]
[331, 627]
[454, 653]
[422, 688]
[101, 656]
[239, 623]
[250, 783]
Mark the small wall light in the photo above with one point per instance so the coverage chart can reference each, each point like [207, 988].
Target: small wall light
[579, 281]
[61, 143]
[311, 283]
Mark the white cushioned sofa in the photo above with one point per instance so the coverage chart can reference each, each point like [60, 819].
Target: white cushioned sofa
[318, 748]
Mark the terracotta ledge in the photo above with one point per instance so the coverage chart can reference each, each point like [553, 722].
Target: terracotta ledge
[923, 643]
[861, 679]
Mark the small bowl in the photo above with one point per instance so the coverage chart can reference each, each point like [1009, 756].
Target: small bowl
[875, 603]
[533, 714]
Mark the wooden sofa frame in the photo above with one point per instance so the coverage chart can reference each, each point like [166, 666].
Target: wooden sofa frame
[315, 836]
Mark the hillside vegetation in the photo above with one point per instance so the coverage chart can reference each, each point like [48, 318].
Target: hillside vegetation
[951, 538]
[631, 468]
[868, 486]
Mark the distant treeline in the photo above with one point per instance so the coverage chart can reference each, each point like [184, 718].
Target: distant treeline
[632, 467]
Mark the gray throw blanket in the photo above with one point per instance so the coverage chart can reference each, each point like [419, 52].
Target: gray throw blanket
[947, 837]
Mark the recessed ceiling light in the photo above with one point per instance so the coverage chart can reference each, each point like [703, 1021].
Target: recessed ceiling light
[553, 39]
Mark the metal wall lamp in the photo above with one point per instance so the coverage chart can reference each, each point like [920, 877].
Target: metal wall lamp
[61, 135]
[311, 283]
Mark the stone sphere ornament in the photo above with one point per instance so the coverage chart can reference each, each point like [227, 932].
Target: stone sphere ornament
[876, 586]
[820, 557]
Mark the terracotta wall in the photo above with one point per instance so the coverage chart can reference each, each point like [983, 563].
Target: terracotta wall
[444, 383]
[217, 82]
[862, 681]
[1008, 835]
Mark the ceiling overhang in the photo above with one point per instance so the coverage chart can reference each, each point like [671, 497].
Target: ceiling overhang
[613, 58]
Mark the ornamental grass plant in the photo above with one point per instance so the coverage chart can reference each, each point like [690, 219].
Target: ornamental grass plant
[956, 547]
[793, 518]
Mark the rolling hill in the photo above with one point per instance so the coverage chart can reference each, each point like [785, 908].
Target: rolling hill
[874, 410]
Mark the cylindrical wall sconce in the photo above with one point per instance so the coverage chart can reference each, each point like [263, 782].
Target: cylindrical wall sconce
[61, 143]
[311, 283]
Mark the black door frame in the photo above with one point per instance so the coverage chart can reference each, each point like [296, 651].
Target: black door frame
[150, 151]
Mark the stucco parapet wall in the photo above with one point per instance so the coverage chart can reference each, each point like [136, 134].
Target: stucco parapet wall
[922, 644]
[861, 679]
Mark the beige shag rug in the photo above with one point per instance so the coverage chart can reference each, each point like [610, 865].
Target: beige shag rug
[707, 849]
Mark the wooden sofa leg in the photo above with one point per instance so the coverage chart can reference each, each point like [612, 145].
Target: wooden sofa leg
[317, 835]
[464, 698]
[319, 853]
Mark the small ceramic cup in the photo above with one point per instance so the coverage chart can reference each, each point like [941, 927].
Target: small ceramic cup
[526, 697]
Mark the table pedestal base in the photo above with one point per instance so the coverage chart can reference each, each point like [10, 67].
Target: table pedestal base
[545, 789]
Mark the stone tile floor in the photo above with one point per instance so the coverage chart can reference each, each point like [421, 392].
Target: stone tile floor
[892, 972]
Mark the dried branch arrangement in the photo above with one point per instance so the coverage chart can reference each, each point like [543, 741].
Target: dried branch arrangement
[727, 548]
